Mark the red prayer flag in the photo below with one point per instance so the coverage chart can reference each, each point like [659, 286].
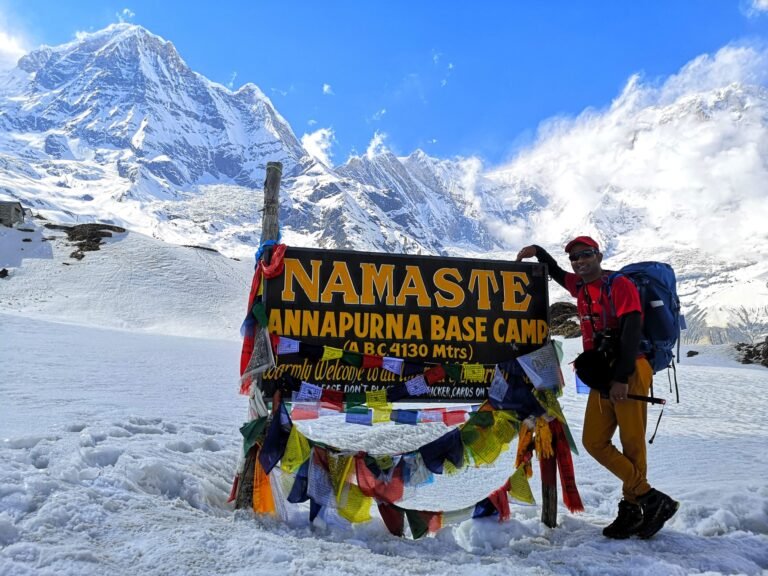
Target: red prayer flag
[501, 502]
[451, 418]
[434, 374]
[332, 399]
[372, 361]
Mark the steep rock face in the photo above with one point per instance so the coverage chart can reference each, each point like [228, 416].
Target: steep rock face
[434, 199]
[127, 89]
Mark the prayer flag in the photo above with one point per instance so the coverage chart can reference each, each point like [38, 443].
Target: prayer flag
[473, 372]
[305, 410]
[543, 368]
[352, 358]
[382, 414]
[394, 365]
[393, 517]
[519, 488]
[376, 397]
[353, 505]
[499, 386]
[405, 416]
[447, 447]
[296, 451]
[331, 353]
[359, 415]
[417, 386]
[371, 361]
[434, 374]
[333, 399]
[309, 391]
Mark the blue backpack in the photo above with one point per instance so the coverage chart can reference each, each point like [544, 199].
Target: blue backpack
[662, 320]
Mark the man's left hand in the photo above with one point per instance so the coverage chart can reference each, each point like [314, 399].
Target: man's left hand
[618, 391]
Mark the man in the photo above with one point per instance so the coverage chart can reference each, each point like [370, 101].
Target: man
[616, 321]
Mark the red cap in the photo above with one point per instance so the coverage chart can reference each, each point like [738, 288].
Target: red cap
[582, 240]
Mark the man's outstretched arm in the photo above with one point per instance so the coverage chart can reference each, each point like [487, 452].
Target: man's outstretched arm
[534, 251]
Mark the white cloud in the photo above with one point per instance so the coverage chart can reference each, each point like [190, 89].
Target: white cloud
[311, 122]
[376, 145]
[756, 7]
[378, 115]
[448, 71]
[125, 15]
[327, 90]
[683, 156]
[12, 47]
[318, 144]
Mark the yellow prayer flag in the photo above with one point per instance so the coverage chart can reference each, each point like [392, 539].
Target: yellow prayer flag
[353, 505]
[548, 400]
[376, 397]
[339, 467]
[331, 353]
[503, 429]
[484, 446]
[382, 413]
[296, 451]
[472, 372]
[519, 488]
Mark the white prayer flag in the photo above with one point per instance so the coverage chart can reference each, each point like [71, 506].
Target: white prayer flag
[499, 386]
[309, 391]
[287, 346]
[542, 368]
[417, 386]
[394, 365]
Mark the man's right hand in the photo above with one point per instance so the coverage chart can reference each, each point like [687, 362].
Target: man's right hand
[527, 252]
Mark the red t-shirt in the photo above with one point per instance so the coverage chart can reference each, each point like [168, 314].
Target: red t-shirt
[625, 299]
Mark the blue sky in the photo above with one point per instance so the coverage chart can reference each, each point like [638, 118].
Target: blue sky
[453, 78]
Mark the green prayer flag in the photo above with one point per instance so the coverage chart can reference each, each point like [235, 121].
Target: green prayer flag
[418, 525]
[453, 371]
[352, 358]
[354, 399]
[481, 419]
[252, 432]
[260, 314]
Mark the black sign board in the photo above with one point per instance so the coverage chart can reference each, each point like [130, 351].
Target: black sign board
[425, 310]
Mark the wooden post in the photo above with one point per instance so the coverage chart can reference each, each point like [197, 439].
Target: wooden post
[549, 505]
[548, 468]
[269, 231]
[269, 222]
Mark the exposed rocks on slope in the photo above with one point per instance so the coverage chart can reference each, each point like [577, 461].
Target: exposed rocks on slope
[564, 320]
[753, 353]
[87, 237]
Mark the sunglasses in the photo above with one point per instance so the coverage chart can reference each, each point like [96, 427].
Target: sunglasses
[582, 254]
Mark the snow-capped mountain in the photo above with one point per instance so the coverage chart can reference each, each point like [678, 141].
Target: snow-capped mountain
[115, 127]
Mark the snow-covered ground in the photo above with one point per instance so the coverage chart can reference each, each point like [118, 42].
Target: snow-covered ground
[118, 445]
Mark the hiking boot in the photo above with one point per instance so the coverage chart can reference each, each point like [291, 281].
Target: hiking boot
[657, 509]
[628, 521]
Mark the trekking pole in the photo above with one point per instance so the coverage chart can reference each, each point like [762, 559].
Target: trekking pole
[649, 399]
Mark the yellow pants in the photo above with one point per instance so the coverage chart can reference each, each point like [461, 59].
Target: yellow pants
[601, 419]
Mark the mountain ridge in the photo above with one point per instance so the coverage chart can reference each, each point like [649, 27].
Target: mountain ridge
[115, 127]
